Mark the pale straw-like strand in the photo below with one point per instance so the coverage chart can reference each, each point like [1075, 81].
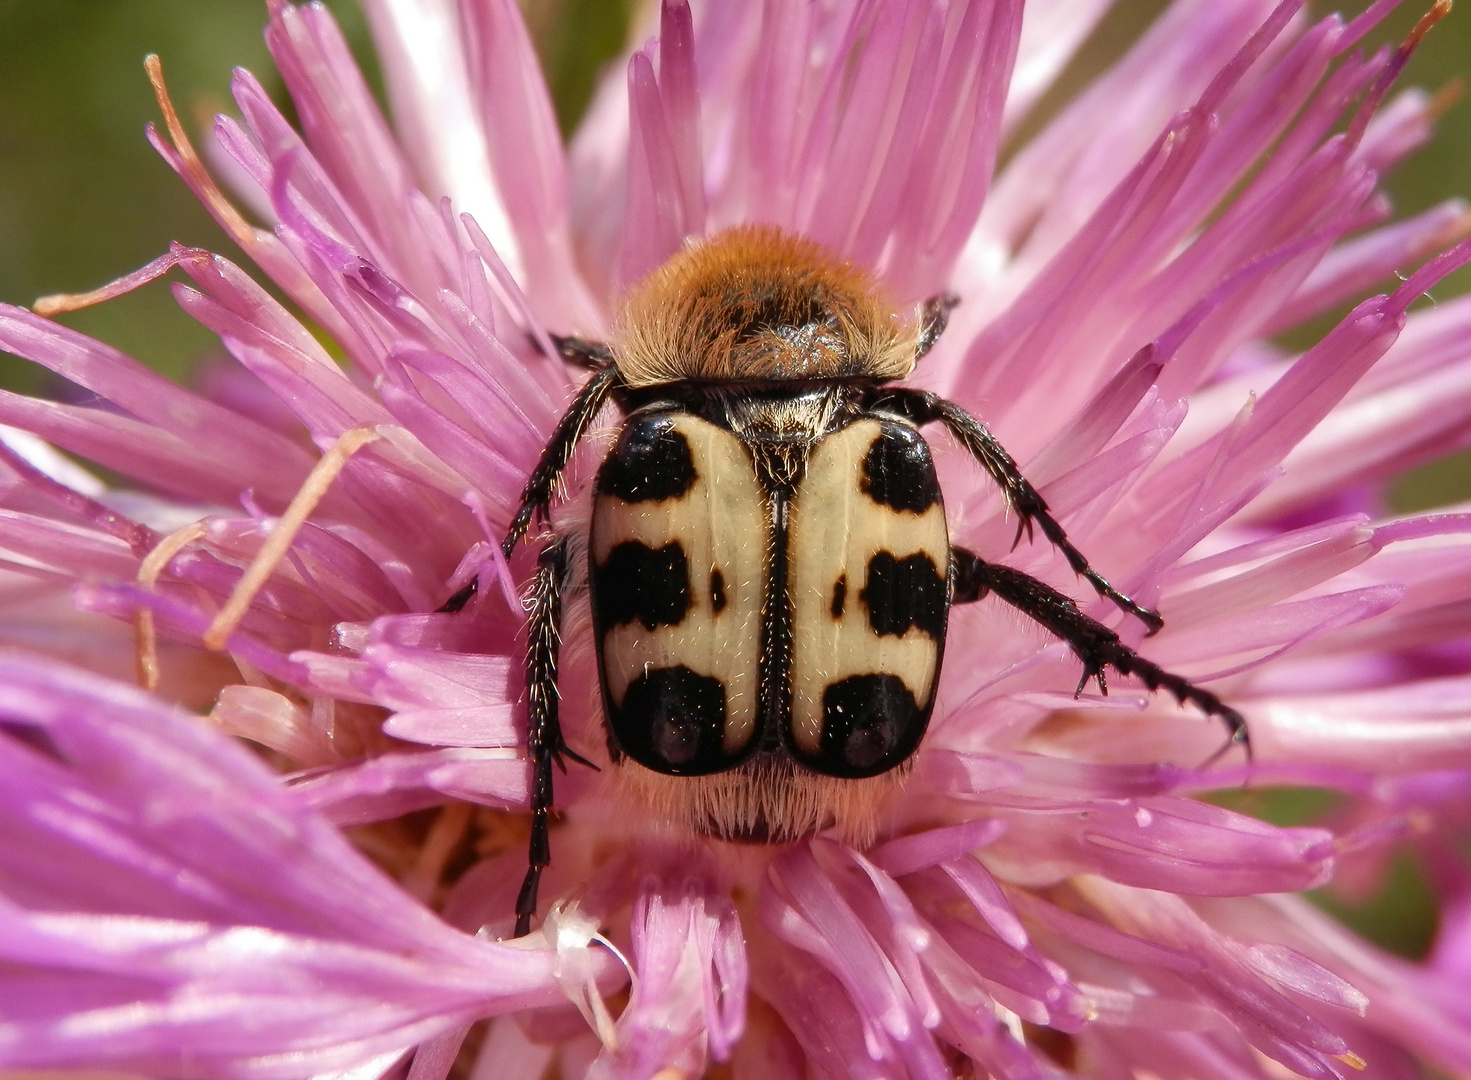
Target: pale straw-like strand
[444, 837]
[145, 634]
[230, 218]
[233, 221]
[286, 528]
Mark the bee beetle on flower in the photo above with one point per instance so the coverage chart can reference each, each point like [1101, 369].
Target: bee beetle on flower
[909, 542]
[766, 461]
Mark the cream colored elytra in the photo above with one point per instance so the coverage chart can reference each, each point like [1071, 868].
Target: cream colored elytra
[720, 524]
[835, 531]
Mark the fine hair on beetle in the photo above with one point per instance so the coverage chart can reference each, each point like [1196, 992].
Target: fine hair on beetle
[766, 558]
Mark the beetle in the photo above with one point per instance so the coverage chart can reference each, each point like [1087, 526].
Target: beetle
[768, 562]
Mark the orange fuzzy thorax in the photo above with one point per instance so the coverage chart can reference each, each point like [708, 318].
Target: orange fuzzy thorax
[755, 303]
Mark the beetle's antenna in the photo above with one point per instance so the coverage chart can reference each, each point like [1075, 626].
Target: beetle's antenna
[933, 318]
[582, 352]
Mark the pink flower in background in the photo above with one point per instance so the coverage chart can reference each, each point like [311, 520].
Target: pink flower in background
[1046, 895]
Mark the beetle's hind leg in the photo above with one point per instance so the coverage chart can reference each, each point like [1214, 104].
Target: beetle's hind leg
[1096, 645]
[544, 745]
[922, 407]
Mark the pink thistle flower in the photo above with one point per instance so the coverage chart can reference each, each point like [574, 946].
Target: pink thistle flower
[1045, 895]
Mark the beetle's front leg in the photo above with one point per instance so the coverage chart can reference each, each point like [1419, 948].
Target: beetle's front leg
[922, 407]
[1095, 644]
[536, 497]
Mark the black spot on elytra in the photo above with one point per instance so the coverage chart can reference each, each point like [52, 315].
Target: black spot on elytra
[717, 591]
[898, 471]
[901, 593]
[651, 462]
[673, 721]
[840, 596]
[638, 582]
[870, 724]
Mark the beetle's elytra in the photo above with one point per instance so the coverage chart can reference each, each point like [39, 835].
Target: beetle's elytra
[768, 563]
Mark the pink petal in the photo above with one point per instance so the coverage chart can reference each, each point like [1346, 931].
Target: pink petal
[160, 879]
[665, 186]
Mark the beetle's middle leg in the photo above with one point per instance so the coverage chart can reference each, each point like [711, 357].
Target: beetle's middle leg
[922, 407]
[1096, 645]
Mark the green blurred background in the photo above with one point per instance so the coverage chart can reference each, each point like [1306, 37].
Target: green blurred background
[84, 199]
